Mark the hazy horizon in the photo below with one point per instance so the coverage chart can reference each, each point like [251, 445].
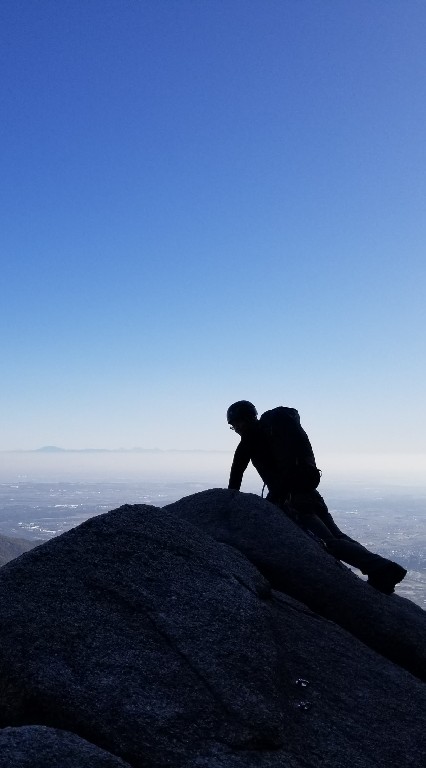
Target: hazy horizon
[199, 465]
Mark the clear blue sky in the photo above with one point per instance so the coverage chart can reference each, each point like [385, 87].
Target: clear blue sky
[210, 200]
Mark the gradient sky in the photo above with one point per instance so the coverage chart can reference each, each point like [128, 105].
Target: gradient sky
[210, 200]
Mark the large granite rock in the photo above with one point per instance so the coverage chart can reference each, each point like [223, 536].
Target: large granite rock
[296, 564]
[143, 635]
[35, 746]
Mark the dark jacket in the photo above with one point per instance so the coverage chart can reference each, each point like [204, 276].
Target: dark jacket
[285, 465]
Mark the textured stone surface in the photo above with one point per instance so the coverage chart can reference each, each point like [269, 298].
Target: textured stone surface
[141, 634]
[297, 565]
[40, 747]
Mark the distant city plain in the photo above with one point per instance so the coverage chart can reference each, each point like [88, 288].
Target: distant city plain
[380, 501]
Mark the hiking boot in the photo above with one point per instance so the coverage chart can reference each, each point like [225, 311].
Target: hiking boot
[386, 576]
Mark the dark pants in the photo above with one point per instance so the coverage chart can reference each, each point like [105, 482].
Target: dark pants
[310, 512]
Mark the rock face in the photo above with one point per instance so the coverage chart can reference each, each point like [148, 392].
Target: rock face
[36, 746]
[178, 637]
[295, 564]
[11, 548]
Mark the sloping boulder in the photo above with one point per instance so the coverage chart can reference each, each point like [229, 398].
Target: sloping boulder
[141, 634]
[40, 747]
[11, 548]
[298, 565]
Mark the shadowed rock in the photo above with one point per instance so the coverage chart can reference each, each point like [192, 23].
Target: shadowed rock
[141, 634]
[296, 564]
[40, 747]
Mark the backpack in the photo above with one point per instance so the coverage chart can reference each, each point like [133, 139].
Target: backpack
[279, 419]
[290, 445]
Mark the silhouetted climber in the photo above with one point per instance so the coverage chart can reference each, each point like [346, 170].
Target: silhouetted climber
[279, 449]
